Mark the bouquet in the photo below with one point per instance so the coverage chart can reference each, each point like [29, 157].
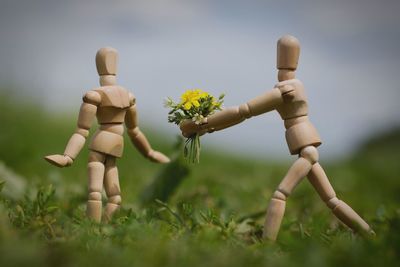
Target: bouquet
[195, 105]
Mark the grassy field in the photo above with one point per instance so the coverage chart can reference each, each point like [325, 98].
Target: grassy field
[211, 214]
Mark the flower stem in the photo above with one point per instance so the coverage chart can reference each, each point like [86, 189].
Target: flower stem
[191, 151]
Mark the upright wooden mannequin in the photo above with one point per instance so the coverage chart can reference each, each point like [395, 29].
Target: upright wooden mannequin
[289, 100]
[112, 105]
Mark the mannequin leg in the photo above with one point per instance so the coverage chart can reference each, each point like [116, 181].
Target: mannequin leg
[96, 174]
[111, 185]
[276, 208]
[342, 211]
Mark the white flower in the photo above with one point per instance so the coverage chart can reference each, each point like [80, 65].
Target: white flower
[198, 119]
[168, 102]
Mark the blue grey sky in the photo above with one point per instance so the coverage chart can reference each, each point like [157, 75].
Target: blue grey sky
[349, 60]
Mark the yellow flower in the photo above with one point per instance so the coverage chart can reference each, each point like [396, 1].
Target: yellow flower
[202, 94]
[191, 98]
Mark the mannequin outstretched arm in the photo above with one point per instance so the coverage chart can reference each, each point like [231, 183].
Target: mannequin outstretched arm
[234, 115]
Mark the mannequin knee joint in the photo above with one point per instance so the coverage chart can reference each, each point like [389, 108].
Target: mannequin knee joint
[95, 196]
[279, 195]
[115, 200]
[333, 202]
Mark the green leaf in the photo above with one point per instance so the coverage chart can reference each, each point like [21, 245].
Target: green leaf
[51, 209]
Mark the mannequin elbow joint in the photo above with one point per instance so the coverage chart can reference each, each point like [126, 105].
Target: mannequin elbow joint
[244, 111]
[133, 132]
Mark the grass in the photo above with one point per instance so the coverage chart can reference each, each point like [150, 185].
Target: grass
[208, 214]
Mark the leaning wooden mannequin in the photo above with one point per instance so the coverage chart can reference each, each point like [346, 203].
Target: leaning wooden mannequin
[112, 105]
[289, 99]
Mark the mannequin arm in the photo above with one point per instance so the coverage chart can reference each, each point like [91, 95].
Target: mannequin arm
[139, 140]
[86, 116]
[234, 115]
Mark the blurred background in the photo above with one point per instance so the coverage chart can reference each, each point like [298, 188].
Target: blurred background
[213, 210]
[348, 61]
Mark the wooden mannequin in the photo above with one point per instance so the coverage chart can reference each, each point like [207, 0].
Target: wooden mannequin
[112, 105]
[289, 99]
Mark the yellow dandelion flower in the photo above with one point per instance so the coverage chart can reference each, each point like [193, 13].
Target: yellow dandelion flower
[191, 98]
[202, 94]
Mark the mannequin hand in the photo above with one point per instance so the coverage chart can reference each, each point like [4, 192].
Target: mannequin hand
[59, 160]
[189, 128]
[158, 157]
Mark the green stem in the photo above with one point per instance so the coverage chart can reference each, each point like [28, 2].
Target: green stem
[191, 150]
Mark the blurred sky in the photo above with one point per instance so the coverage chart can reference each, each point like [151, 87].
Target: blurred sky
[349, 60]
